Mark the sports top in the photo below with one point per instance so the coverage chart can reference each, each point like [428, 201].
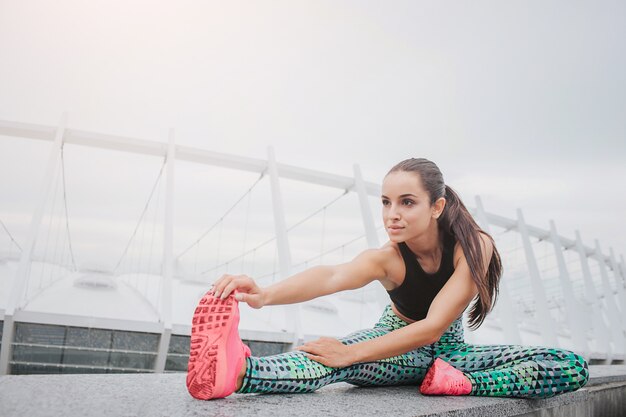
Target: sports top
[418, 290]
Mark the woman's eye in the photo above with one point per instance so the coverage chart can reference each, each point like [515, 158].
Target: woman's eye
[408, 202]
[385, 202]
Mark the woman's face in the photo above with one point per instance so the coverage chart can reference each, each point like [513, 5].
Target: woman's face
[407, 212]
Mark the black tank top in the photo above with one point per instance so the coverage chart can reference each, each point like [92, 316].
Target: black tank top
[418, 290]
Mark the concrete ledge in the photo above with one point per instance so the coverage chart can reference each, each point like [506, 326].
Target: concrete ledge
[166, 395]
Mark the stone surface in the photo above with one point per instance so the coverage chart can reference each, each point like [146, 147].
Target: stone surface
[604, 374]
[166, 395]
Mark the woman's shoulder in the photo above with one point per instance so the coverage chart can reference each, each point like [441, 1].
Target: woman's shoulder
[390, 249]
[385, 254]
[390, 257]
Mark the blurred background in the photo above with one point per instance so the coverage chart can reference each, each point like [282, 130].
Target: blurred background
[520, 103]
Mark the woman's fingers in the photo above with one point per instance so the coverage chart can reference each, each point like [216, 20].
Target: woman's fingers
[224, 286]
[312, 352]
[218, 286]
[310, 347]
[327, 351]
[242, 285]
[253, 300]
[316, 358]
[221, 284]
[232, 285]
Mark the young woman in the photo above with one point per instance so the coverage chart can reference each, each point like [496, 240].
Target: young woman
[436, 262]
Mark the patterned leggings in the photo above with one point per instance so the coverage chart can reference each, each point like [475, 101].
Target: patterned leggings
[494, 370]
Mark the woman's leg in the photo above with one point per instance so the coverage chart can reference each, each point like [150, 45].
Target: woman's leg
[294, 372]
[516, 371]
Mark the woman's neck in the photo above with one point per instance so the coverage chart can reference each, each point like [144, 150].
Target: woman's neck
[427, 246]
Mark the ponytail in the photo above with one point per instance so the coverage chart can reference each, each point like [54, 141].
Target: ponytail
[457, 221]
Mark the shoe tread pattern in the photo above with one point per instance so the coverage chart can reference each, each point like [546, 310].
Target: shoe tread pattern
[209, 316]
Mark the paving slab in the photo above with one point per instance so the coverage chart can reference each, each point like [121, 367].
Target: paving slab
[126, 395]
[605, 374]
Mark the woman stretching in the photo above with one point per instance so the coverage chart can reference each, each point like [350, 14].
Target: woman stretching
[436, 262]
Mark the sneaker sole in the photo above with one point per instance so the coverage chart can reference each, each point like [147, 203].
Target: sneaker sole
[439, 371]
[425, 387]
[212, 322]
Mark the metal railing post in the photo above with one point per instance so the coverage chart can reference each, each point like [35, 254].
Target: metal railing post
[600, 331]
[14, 302]
[508, 321]
[368, 224]
[619, 283]
[617, 325]
[168, 257]
[282, 241]
[543, 318]
[574, 319]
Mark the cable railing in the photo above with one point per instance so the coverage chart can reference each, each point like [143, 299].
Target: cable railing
[507, 233]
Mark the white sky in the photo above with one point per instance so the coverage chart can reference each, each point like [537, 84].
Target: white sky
[521, 102]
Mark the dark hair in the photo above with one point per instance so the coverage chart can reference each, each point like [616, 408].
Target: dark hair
[457, 221]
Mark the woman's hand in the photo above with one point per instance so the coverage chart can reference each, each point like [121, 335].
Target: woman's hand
[328, 351]
[245, 289]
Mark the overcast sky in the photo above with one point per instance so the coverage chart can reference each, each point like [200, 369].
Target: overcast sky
[521, 102]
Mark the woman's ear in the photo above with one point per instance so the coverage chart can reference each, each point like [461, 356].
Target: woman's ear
[438, 207]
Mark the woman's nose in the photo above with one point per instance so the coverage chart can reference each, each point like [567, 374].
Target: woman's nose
[393, 213]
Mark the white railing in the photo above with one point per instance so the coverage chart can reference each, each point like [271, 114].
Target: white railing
[583, 317]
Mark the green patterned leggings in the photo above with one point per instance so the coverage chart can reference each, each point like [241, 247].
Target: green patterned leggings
[494, 370]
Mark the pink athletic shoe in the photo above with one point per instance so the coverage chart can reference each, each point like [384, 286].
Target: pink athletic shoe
[443, 379]
[216, 353]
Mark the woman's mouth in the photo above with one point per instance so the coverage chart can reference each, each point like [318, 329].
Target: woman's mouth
[395, 229]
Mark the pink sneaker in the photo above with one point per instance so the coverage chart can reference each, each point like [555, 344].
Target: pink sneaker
[216, 353]
[443, 379]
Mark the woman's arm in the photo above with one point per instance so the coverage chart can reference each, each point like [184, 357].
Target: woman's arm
[309, 284]
[447, 306]
[324, 280]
